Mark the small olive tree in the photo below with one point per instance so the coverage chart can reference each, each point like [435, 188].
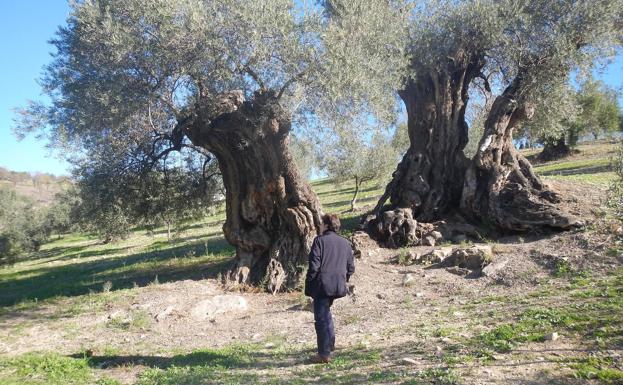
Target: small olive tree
[348, 156]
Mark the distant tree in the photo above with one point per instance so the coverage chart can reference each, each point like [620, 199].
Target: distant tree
[303, 154]
[22, 227]
[600, 110]
[60, 216]
[561, 121]
[350, 157]
[400, 139]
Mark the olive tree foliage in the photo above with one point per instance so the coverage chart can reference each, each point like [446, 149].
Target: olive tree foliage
[558, 124]
[600, 110]
[303, 154]
[22, 226]
[115, 193]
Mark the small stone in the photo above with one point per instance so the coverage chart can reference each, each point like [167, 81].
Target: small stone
[269, 345]
[552, 336]
[381, 296]
[437, 255]
[457, 270]
[256, 336]
[164, 314]
[494, 269]
[408, 279]
[419, 295]
[408, 361]
[428, 241]
[438, 351]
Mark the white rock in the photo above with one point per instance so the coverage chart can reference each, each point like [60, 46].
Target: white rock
[494, 268]
[409, 361]
[219, 304]
[164, 314]
[428, 240]
[552, 336]
[419, 295]
[408, 279]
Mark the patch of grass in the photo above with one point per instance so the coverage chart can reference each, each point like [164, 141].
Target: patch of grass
[571, 165]
[601, 369]
[138, 320]
[48, 369]
[439, 376]
[354, 357]
[595, 318]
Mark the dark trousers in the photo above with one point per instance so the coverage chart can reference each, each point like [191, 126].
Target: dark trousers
[325, 333]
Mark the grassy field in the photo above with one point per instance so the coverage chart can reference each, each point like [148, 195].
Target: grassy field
[590, 164]
[77, 274]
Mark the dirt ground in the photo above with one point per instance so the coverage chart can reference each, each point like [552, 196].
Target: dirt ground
[383, 313]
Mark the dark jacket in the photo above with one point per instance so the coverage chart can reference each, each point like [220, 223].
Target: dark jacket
[330, 266]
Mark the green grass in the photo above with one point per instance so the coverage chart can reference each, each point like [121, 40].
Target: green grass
[48, 369]
[594, 368]
[588, 309]
[592, 166]
[591, 171]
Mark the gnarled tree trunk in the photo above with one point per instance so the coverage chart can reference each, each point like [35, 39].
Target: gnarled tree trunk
[429, 179]
[272, 213]
[500, 186]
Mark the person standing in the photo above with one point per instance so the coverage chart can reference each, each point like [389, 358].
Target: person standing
[330, 268]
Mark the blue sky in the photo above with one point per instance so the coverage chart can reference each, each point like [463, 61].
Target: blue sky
[25, 28]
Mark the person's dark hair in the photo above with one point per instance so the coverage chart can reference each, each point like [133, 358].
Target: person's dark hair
[332, 222]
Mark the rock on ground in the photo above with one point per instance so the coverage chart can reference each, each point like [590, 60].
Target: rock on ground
[219, 304]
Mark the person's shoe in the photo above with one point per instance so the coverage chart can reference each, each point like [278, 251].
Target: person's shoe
[318, 359]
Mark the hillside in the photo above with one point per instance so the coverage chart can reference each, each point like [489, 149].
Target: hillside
[38, 187]
[144, 311]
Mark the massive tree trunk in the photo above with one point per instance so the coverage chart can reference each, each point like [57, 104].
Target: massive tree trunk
[429, 179]
[500, 186]
[272, 213]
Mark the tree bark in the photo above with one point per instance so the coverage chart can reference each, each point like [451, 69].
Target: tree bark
[553, 151]
[272, 214]
[429, 179]
[353, 201]
[500, 186]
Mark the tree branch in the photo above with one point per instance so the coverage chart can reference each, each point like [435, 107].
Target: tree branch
[290, 82]
[248, 70]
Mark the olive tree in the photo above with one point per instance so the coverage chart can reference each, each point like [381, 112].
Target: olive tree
[349, 156]
[521, 51]
[225, 78]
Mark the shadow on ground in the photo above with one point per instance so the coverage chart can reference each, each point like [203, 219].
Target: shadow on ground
[190, 261]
